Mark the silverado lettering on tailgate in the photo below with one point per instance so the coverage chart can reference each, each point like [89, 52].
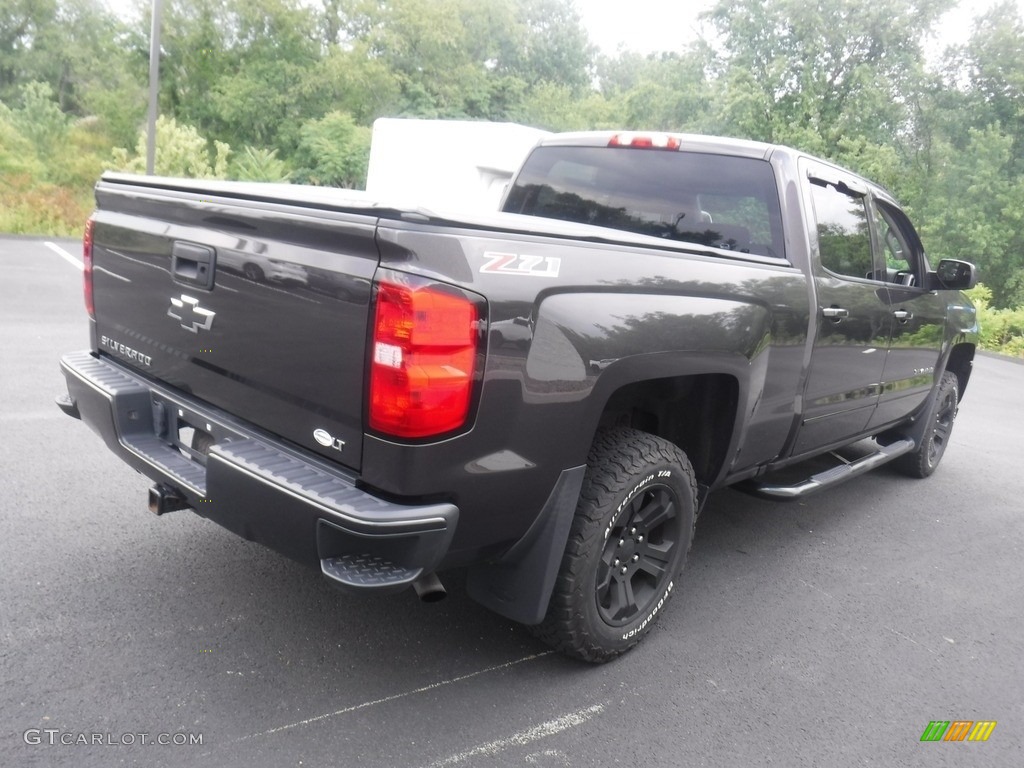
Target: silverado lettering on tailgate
[124, 349]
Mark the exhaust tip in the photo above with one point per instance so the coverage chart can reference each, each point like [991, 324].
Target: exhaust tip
[429, 588]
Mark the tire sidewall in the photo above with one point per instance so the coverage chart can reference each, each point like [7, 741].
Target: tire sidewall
[619, 638]
[947, 385]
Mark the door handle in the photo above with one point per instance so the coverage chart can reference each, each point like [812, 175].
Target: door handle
[193, 264]
[902, 315]
[835, 314]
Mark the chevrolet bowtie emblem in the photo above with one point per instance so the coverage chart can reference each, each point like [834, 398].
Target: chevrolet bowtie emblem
[192, 317]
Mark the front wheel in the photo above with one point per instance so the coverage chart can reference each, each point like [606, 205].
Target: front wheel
[924, 460]
[627, 546]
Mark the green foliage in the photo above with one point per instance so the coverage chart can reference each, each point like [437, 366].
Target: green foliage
[1002, 330]
[39, 118]
[975, 207]
[259, 164]
[17, 152]
[807, 73]
[350, 80]
[333, 152]
[662, 92]
[29, 203]
[31, 207]
[297, 84]
[180, 151]
[552, 45]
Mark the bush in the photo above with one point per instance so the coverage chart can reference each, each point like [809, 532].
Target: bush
[1002, 330]
[30, 203]
[256, 164]
[180, 151]
[31, 207]
[17, 155]
[333, 152]
[39, 118]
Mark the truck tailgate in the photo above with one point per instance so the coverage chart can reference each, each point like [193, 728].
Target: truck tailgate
[257, 306]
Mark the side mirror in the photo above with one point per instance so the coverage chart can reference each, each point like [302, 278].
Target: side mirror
[953, 275]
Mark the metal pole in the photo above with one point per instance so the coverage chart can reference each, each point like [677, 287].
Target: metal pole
[154, 82]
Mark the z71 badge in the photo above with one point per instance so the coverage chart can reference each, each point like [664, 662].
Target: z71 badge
[524, 266]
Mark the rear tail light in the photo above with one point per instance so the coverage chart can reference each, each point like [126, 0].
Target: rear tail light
[645, 141]
[90, 225]
[423, 367]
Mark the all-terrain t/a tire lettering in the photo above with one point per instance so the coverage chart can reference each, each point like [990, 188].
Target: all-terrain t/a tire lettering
[628, 544]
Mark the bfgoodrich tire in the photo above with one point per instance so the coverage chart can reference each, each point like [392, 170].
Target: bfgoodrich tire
[627, 546]
[924, 460]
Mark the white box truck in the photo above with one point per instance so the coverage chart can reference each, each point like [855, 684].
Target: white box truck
[446, 164]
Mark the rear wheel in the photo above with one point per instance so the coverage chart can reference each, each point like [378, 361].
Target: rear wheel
[923, 461]
[628, 544]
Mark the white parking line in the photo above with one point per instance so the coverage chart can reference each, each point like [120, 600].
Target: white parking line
[524, 737]
[393, 697]
[64, 255]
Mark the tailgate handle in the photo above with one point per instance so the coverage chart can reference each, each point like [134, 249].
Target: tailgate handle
[193, 264]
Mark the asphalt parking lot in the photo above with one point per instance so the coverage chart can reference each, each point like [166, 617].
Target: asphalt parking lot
[828, 632]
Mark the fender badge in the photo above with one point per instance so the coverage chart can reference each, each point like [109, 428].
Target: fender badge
[327, 440]
[522, 265]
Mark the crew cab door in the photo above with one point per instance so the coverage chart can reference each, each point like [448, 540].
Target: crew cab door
[854, 317]
[919, 315]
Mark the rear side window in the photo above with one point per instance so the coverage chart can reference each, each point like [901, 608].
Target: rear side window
[719, 201]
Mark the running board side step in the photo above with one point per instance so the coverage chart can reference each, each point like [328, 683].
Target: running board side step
[830, 477]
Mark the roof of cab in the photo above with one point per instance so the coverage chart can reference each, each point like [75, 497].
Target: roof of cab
[718, 145]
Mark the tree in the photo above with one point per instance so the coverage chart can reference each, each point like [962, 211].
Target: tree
[349, 79]
[794, 70]
[333, 152]
[39, 118]
[236, 69]
[989, 71]
[968, 174]
[553, 46]
[23, 26]
[82, 51]
[667, 91]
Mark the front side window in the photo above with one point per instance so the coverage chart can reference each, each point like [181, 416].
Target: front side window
[844, 235]
[895, 242]
[724, 202]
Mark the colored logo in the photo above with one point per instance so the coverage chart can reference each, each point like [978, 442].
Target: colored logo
[958, 730]
[522, 265]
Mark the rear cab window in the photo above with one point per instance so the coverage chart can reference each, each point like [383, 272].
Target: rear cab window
[717, 201]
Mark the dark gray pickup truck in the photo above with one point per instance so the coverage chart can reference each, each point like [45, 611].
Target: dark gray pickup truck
[545, 396]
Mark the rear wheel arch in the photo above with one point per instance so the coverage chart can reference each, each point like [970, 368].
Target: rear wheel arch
[695, 412]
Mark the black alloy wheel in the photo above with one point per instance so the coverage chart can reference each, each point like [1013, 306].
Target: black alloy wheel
[637, 555]
[630, 535]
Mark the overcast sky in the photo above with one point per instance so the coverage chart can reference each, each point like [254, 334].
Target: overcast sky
[646, 26]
